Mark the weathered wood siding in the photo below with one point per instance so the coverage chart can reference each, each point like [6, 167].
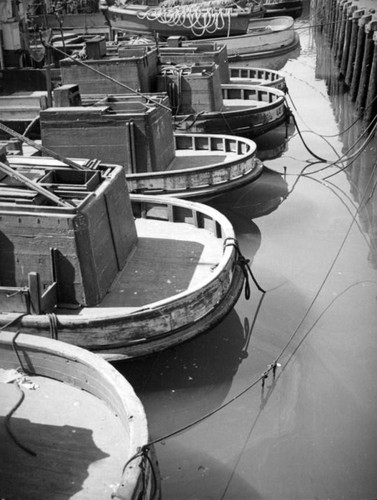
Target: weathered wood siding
[132, 134]
[193, 91]
[135, 71]
[90, 243]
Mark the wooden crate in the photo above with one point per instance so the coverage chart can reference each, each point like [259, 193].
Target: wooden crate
[123, 130]
[178, 53]
[137, 71]
[194, 90]
[81, 249]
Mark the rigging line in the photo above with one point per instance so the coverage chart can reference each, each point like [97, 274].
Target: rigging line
[357, 120]
[219, 408]
[207, 415]
[357, 153]
[353, 159]
[281, 371]
[310, 26]
[333, 188]
[317, 133]
[304, 143]
[320, 317]
[117, 82]
[273, 366]
[252, 427]
[323, 281]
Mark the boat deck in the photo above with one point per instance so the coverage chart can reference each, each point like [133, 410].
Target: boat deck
[164, 264]
[183, 162]
[79, 444]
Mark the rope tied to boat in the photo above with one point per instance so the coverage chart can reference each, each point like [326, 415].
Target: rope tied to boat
[143, 453]
[16, 383]
[244, 265]
[53, 322]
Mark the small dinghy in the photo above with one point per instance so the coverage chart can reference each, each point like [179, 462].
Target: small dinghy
[291, 8]
[264, 38]
[188, 19]
[83, 262]
[71, 425]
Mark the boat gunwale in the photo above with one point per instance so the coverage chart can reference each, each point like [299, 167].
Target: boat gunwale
[249, 155]
[278, 102]
[51, 358]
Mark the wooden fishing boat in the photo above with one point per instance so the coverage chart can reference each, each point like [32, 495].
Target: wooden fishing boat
[136, 62]
[179, 53]
[80, 265]
[199, 100]
[202, 104]
[127, 130]
[291, 8]
[54, 443]
[273, 36]
[192, 20]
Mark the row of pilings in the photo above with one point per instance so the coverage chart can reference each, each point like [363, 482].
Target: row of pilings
[351, 29]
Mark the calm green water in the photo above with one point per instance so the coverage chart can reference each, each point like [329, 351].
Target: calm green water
[310, 432]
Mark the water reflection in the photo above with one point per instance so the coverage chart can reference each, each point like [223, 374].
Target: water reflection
[182, 384]
[359, 145]
[256, 199]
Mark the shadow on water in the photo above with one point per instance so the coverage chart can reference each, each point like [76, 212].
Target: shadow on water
[179, 385]
[256, 199]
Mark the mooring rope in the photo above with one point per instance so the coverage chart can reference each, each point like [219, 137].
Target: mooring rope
[53, 321]
[143, 453]
[244, 265]
[18, 403]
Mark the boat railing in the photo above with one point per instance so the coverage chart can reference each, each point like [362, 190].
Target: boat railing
[182, 211]
[256, 93]
[248, 73]
[219, 172]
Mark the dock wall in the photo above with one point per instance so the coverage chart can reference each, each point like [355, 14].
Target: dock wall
[351, 29]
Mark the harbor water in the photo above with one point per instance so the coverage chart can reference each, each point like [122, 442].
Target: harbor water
[225, 424]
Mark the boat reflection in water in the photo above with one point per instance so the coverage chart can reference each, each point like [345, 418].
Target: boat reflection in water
[361, 165]
[189, 381]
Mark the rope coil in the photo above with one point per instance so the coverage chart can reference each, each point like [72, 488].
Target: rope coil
[199, 20]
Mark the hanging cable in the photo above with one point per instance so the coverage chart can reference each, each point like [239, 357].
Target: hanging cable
[302, 139]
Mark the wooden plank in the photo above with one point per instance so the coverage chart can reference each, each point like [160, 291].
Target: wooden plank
[33, 185]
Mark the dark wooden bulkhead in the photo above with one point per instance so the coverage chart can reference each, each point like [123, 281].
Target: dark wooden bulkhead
[125, 130]
[136, 67]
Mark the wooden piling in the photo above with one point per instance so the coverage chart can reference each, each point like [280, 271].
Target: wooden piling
[371, 99]
[344, 55]
[370, 29]
[348, 70]
[350, 27]
[363, 21]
